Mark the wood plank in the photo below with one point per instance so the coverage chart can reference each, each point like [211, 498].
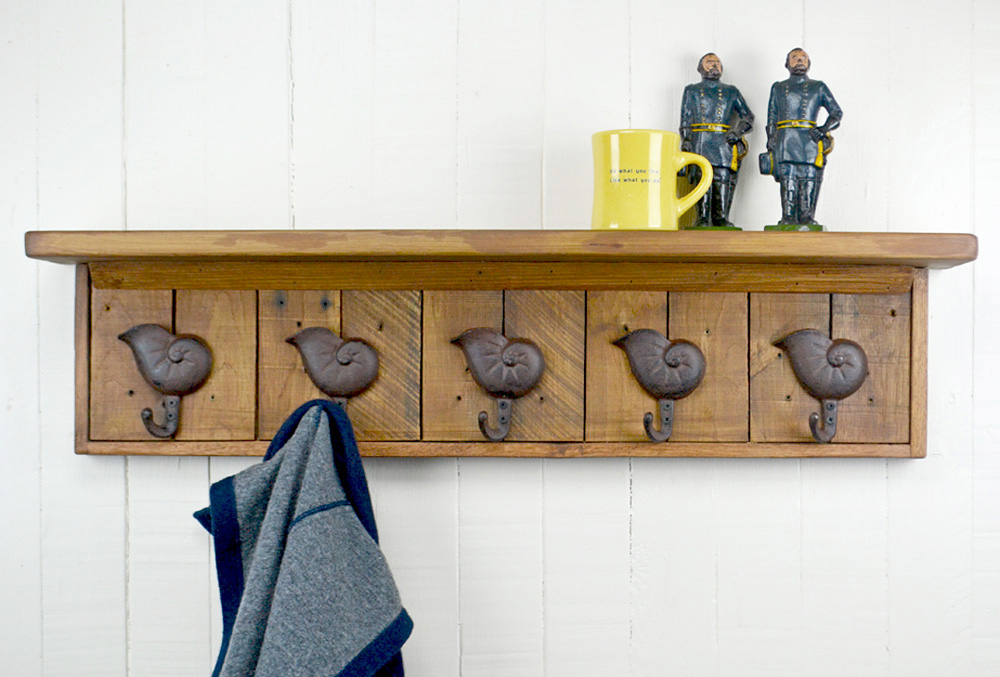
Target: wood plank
[921, 250]
[81, 361]
[779, 406]
[553, 450]
[118, 392]
[718, 409]
[616, 403]
[880, 410]
[403, 275]
[282, 380]
[451, 398]
[225, 407]
[918, 366]
[555, 321]
[390, 322]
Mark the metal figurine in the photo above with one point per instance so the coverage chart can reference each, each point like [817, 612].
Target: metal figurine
[714, 118]
[797, 146]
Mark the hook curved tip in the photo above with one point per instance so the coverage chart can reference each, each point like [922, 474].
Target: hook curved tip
[652, 433]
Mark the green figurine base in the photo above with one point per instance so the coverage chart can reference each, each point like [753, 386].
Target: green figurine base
[711, 228]
[798, 227]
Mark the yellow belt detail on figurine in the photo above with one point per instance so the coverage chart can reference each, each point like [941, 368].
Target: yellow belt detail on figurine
[819, 154]
[792, 124]
[709, 127]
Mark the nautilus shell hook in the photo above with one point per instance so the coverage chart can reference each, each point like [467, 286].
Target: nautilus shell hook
[829, 370]
[341, 368]
[173, 365]
[505, 368]
[667, 370]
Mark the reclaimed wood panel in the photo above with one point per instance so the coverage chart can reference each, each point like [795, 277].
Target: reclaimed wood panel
[918, 366]
[464, 275]
[118, 393]
[223, 408]
[390, 322]
[616, 403]
[283, 383]
[555, 321]
[452, 400]
[718, 409]
[779, 407]
[880, 410]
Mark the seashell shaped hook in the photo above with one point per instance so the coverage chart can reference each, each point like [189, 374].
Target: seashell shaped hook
[667, 370]
[505, 368]
[339, 367]
[829, 370]
[173, 365]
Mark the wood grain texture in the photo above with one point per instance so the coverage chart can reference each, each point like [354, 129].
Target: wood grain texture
[282, 381]
[918, 366]
[81, 357]
[554, 450]
[390, 322]
[224, 408]
[880, 410]
[616, 403]
[921, 250]
[718, 409]
[779, 406]
[555, 321]
[461, 275]
[451, 398]
[118, 393]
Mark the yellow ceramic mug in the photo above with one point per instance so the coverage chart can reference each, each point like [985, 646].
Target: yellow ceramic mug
[635, 179]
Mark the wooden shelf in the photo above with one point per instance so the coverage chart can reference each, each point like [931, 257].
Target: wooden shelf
[573, 292]
[920, 250]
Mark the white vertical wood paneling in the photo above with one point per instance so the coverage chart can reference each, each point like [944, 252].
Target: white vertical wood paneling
[416, 508]
[413, 170]
[674, 568]
[333, 69]
[759, 534]
[500, 567]
[79, 186]
[587, 565]
[20, 499]
[930, 502]
[501, 52]
[586, 91]
[854, 196]
[986, 338]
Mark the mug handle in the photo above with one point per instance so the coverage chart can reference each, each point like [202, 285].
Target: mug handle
[686, 202]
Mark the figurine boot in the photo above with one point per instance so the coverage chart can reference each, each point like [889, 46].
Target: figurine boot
[808, 192]
[789, 202]
[722, 202]
[705, 208]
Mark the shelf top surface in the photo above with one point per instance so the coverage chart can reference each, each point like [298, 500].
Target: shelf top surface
[922, 250]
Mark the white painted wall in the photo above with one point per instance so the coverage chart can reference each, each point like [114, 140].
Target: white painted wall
[312, 114]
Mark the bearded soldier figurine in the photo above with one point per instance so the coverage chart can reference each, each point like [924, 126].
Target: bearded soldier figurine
[714, 118]
[797, 146]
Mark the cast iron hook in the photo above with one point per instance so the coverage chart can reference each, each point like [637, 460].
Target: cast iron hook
[505, 368]
[829, 370]
[341, 368]
[667, 370]
[173, 365]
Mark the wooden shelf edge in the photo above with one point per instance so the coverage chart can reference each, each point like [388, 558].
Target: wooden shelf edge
[522, 449]
[921, 250]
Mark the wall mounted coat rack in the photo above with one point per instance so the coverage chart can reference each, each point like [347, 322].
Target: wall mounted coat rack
[407, 294]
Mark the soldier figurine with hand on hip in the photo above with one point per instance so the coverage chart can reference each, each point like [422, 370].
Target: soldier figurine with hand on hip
[714, 118]
[797, 146]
